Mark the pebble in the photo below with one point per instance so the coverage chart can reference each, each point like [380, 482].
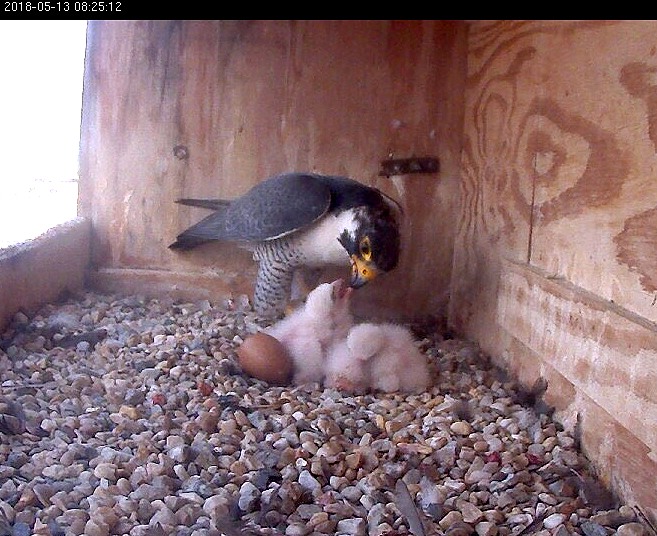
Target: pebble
[128, 415]
[248, 496]
[309, 482]
[451, 518]
[486, 528]
[471, 514]
[353, 526]
[631, 529]
[590, 528]
[461, 428]
[553, 521]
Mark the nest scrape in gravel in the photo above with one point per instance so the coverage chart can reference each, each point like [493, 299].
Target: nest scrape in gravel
[126, 415]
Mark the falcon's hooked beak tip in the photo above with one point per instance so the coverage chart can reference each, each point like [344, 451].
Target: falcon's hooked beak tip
[362, 272]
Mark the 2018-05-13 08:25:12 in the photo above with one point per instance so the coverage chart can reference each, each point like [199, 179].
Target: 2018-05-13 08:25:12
[45, 6]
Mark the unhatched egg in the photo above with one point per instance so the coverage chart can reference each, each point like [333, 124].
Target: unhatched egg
[264, 357]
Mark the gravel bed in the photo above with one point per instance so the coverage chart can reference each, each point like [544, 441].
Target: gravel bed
[126, 415]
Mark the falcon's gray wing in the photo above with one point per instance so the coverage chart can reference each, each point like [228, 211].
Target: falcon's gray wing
[271, 209]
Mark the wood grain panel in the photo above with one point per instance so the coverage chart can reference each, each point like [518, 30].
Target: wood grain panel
[594, 159]
[496, 196]
[209, 108]
[554, 261]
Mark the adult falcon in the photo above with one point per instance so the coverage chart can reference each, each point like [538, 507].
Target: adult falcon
[299, 220]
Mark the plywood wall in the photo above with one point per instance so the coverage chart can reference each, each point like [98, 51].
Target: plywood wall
[555, 261]
[208, 109]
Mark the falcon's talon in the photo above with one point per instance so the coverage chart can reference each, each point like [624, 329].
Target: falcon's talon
[296, 220]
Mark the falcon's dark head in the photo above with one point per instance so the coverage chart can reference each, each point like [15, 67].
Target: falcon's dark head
[373, 244]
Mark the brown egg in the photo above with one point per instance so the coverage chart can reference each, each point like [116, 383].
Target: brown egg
[264, 357]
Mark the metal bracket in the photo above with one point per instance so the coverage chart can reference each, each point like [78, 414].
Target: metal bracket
[403, 166]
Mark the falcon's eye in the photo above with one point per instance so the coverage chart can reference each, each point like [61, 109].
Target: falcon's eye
[365, 248]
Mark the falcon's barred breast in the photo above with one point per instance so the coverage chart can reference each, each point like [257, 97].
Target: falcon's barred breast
[302, 219]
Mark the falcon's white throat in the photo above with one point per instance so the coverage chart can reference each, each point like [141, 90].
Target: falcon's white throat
[320, 244]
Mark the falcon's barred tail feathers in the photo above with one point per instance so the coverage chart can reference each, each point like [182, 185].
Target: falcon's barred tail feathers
[295, 220]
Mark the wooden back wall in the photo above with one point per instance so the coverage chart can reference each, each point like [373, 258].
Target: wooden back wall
[209, 109]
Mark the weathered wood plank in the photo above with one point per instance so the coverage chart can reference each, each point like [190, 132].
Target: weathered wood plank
[43, 269]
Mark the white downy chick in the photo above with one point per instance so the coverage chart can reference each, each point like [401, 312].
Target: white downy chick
[309, 331]
[389, 354]
[344, 370]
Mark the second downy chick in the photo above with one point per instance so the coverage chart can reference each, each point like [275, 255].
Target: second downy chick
[380, 357]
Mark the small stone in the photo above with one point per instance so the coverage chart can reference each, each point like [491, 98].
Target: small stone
[548, 498]
[180, 453]
[376, 515]
[480, 446]
[471, 514]
[553, 521]
[383, 529]
[130, 412]
[505, 499]
[495, 444]
[459, 529]
[248, 497]
[561, 530]
[354, 460]
[106, 470]
[486, 528]
[520, 519]
[164, 517]
[589, 528]
[627, 512]
[216, 506]
[631, 529]
[94, 528]
[12, 417]
[352, 526]
[328, 427]
[451, 518]
[21, 529]
[317, 519]
[306, 511]
[352, 493]
[297, 529]
[309, 482]
[461, 428]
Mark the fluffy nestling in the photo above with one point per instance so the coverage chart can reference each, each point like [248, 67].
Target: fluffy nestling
[309, 331]
[381, 357]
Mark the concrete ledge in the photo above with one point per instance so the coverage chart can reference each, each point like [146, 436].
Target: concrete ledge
[38, 271]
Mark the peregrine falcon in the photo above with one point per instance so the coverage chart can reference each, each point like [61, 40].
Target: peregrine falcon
[299, 220]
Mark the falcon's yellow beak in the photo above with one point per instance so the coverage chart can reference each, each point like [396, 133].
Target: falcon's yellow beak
[362, 271]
